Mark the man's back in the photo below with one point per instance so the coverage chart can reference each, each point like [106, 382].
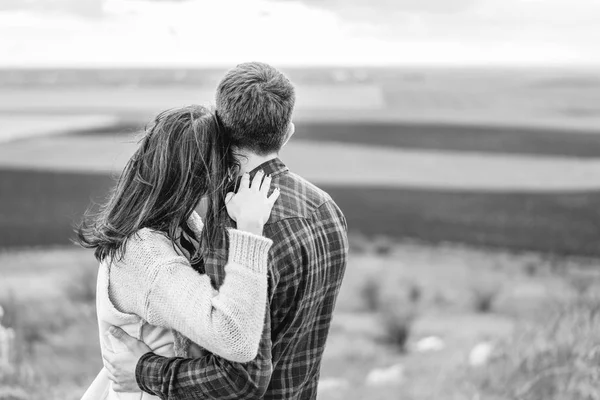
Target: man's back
[309, 261]
[307, 265]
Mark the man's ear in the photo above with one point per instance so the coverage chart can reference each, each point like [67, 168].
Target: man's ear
[290, 132]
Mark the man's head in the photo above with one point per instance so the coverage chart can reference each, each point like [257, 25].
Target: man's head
[255, 102]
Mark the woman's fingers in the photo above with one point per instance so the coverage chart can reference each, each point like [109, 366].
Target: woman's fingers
[245, 181]
[274, 196]
[229, 204]
[257, 179]
[266, 185]
[111, 376]
[109, 367]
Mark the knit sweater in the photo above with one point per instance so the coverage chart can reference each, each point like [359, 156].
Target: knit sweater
[156, 282]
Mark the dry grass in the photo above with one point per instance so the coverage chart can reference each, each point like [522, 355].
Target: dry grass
[48, 299]
[82, 288]
[556, 360]
[390, 300]
[465, 297]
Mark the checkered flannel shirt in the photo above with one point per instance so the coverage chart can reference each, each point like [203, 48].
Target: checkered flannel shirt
[306, 266]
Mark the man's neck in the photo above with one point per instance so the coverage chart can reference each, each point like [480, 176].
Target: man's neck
[249, 160]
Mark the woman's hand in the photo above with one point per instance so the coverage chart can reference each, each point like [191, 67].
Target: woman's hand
[250, 207]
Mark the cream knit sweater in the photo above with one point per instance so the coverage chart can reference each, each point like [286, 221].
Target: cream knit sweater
[157, 283]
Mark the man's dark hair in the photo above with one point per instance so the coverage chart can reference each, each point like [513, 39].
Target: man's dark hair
[255, 103]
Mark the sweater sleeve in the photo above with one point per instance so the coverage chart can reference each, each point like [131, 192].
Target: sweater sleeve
[227, 322]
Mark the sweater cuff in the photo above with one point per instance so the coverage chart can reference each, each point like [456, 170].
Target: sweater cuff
[249, 250]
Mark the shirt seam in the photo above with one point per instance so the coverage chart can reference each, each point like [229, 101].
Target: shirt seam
[305, 218]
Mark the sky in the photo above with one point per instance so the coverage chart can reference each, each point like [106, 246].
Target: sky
[215, 33]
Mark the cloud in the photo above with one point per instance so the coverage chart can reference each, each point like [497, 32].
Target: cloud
[224, 32]
[393, 6]
[85, 8]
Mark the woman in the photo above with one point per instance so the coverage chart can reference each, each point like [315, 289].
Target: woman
[146, 237]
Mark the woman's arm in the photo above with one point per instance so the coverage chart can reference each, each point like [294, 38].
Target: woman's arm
[161, 287]
[227, 322]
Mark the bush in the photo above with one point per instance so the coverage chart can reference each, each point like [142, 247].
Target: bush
[359, 243]
[415, 293]
[9, 310]
[532, 269]
[35, 320]
[398, 322]
[398, 301]
[370, 293]
[82, 288]
[12, 319]
[557, 360]
[397, 312]
[383, 246]
[484, 296]
[13, 393]
[11, 360]
[581, 282]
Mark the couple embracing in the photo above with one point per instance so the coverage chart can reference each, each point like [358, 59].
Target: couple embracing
[236, 304]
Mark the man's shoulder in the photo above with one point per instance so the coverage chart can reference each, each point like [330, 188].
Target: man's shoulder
[299, 198]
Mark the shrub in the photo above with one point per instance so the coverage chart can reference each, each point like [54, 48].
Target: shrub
[13, 393]
[359, 243]
[383, 246]
[9, 310]
[370, 293]
[484, 294]
[581, 282]
[532, 269]
[415, 293]
[82, 288]
[34, 320]
[12, 319]
[397, 313]
[398, 302]
[398, 322]
[555, 360]
[11, 378]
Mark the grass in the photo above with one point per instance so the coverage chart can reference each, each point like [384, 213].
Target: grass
[421, 291]
[40, 208]
[556, 360]
[395, 292]
[47, 300]
[522, 307]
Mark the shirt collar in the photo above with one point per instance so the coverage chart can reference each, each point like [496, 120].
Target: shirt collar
[272, 167]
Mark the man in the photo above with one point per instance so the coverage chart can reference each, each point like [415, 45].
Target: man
[306, 266]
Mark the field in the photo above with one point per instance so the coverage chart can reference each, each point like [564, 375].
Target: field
[472, 199]
[494, 158]
[460, 295]
[544, 198]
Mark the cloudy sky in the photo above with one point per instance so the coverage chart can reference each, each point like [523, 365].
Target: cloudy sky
[298, 32]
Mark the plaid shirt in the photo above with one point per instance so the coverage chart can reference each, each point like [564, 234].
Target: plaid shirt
[306, 266]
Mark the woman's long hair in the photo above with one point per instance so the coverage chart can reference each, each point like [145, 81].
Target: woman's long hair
[184, 156]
